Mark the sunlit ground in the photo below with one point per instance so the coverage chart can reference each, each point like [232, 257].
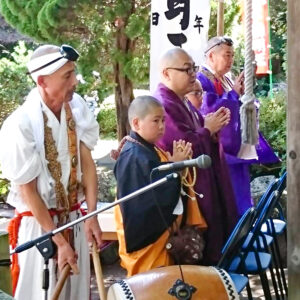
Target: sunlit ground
[256, 289]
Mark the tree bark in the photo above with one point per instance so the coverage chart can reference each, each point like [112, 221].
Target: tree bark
[123, 85]
[293, 152]
[123, 98]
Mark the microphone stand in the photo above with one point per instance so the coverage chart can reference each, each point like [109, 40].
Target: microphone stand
[46, 246]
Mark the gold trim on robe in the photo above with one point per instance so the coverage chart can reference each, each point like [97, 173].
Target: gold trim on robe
[155, 254]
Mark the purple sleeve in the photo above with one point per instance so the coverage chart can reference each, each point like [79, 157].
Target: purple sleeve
[230, 136]
[178, 128]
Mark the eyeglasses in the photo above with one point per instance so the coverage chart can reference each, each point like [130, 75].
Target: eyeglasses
[189, 71]
[222, 40]
[196, 93]
[66, 51]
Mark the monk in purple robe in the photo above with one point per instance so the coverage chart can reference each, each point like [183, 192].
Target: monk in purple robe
[213, 186]
[220, 91]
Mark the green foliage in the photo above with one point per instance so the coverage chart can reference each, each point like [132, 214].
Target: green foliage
[92, 28]
[4, 184]
[272, 117]
[278, 24]
[231, 15]
[14, 86]
[107, 121]
[101, 50]
[272, 124]
[14, 83]
[278, 32]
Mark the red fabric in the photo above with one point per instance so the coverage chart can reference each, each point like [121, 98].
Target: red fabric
[218, 87]
[13, 232]
[13, 229]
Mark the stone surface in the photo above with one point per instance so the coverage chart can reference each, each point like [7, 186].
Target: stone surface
[106, 184]
[259, 186]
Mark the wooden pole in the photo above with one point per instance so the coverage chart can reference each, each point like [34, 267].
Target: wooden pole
[98, 272]
[293, 148]
[61, 282]
[220, 21]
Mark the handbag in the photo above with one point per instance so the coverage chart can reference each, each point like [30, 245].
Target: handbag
[186, 245]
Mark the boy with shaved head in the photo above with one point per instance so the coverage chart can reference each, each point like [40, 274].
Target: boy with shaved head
[213, 186]
[46, 154]
[142, 232]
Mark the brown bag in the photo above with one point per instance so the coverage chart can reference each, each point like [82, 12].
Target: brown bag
[186, 245]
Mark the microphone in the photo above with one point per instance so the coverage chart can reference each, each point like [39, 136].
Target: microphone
[203, 161]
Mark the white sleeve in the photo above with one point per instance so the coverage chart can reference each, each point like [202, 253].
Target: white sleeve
[19, 158]
[86, 124]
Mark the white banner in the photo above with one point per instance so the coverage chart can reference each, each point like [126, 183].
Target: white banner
[177, 23]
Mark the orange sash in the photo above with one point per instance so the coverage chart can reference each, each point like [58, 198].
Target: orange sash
[13, 232]
[155, 254]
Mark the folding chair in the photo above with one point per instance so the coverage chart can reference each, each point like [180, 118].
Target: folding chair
[233, 247]
[274, 227]
[268, 240]
[254, 260]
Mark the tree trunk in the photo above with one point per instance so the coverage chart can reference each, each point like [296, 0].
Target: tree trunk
[123, 85]
[123, 98]
[293, 151]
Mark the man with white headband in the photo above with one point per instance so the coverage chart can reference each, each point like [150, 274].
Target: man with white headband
[46, 154]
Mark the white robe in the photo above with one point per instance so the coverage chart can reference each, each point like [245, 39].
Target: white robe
[22, 158]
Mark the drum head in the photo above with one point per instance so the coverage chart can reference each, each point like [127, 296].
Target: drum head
[205, 283]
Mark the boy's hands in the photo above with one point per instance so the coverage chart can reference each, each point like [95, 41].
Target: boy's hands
[181, 151]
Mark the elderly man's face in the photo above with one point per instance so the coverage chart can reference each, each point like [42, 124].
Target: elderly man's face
[222, 59]
[182, 74]
[61, 85]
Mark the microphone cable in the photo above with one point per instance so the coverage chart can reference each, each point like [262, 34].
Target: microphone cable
[165, 223]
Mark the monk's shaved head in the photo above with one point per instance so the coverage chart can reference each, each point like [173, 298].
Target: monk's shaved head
[141, 106]
[171, 57]
[178, 71]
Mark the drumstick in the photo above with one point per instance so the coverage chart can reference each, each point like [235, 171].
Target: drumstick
[61, 281]
[98, 271]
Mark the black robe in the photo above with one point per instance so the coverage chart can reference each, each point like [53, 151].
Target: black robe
[142, 221]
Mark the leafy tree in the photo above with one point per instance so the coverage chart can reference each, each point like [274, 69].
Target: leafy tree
[4, 184]
[278, 24]
[231, 15]
[14, 83]
[111, 35]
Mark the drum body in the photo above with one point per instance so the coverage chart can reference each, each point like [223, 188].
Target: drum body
[5, 275]
[210, 284]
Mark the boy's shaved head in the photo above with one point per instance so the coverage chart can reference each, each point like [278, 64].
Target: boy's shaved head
[141, 106]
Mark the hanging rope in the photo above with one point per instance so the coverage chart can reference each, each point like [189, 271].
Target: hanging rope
[248, 109]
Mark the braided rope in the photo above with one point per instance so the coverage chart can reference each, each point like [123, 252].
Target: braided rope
[248, 50]
[185, 180]
[248, 109]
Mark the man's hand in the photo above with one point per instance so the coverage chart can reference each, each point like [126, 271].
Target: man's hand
[238, 85]
[65, 254]
[217, 120]
[93, 231]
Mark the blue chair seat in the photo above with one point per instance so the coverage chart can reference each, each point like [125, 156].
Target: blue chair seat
[240, 281]
[279, 226]
[251, 266]
[268, 238]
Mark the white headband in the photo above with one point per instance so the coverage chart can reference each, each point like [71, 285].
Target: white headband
[43, 60]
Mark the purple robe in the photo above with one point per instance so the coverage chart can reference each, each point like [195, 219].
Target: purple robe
[218, 204]
[230, 137]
